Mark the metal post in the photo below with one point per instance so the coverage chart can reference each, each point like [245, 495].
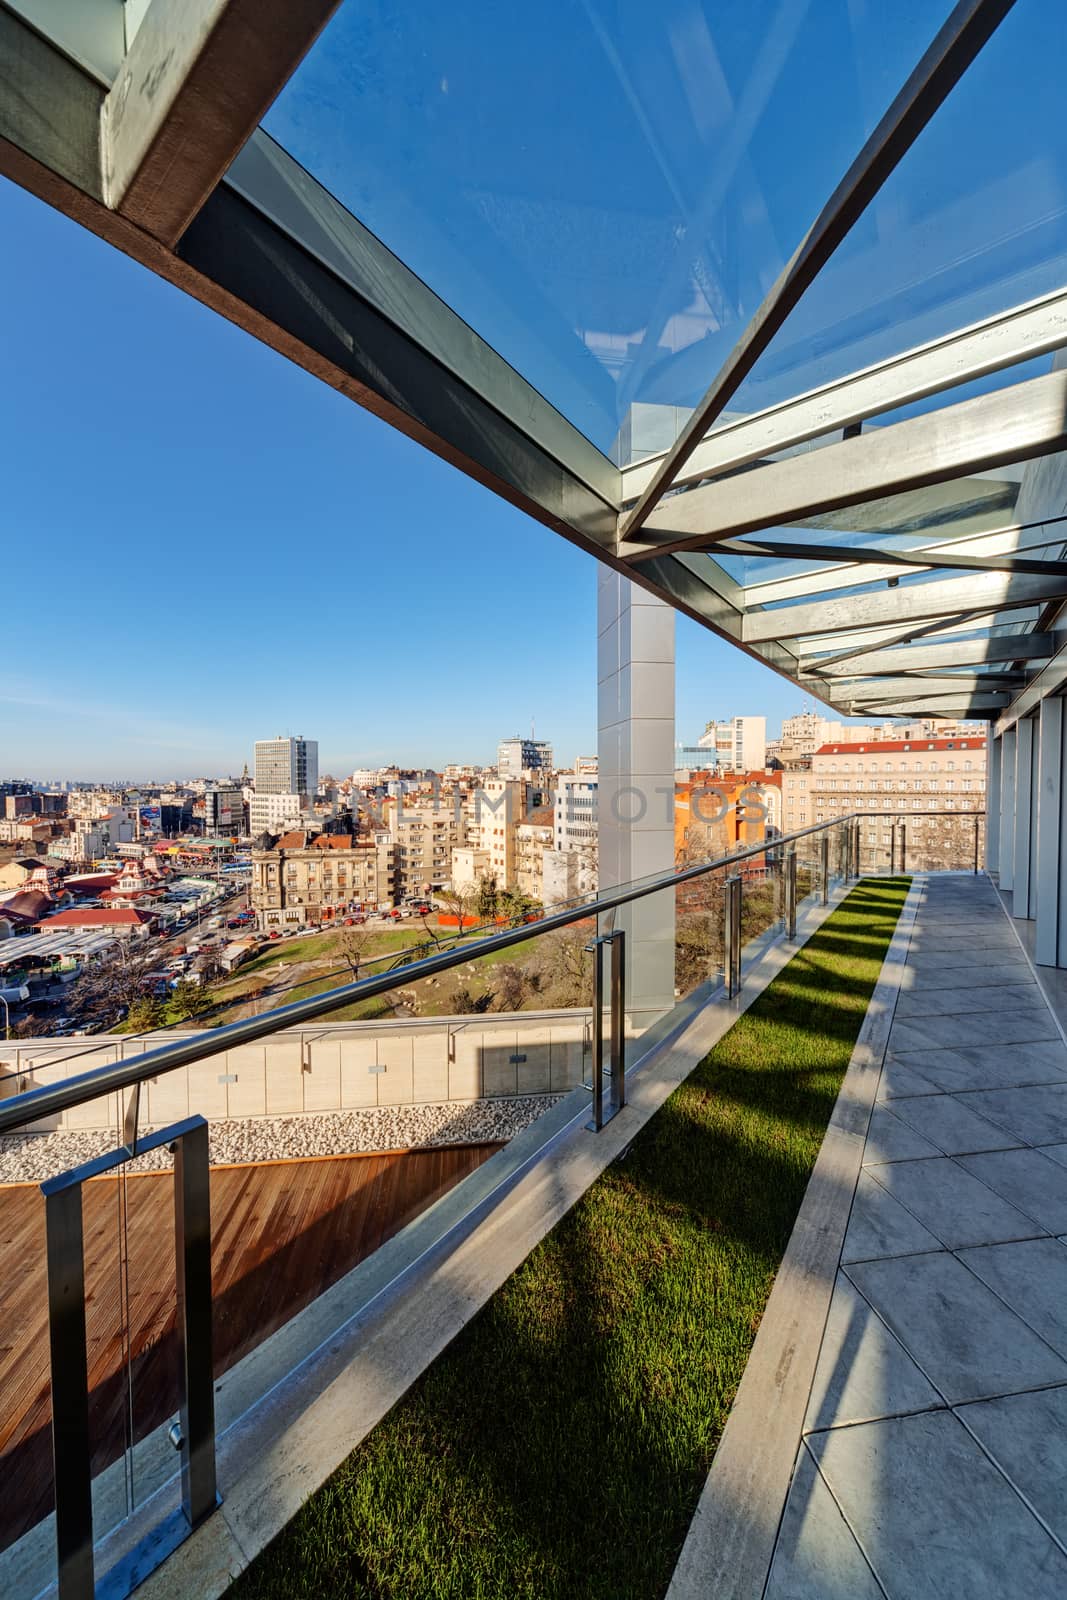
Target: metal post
[824, 866]
[977, 816]
[192, 1245]
[893, 850]
[791, 894]
[71, 1466]
[732, 893]
[903, 845]
[856, 847]
[597, 948]
[618, 1019]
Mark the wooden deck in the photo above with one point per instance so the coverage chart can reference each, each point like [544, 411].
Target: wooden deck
[281, 1234]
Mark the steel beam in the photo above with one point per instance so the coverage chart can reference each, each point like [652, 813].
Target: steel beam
[964, 33]
[882, 561]
[1010, 425]
[870, 690]
[962, 705]
[1050, 680]
[194, 84]
[991, 591]
[1029, 330]
[924, 657]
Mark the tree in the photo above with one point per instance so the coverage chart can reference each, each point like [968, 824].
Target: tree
[146, 1013]
[188, 1001]
[512, 987]
[564, 969]
[458, 903]
[105, 987]
[488, 899]
[353, 947]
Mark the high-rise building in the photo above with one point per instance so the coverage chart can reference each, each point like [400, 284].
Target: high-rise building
[739, 744]
[287, 766]
[287, 777]
[517, 755]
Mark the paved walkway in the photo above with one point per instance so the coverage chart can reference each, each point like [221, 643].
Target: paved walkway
[934, 1460]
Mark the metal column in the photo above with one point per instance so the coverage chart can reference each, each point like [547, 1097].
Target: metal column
[1051, 927]
[1023, 885]
[903, 846]
[1006, 847]
[824, 867]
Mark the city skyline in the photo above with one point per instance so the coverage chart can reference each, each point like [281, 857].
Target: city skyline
[170, 649]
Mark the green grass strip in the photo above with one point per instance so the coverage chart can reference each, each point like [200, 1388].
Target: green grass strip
[557, 1449]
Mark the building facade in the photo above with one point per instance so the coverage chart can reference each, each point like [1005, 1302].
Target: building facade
[517, 756]
[304, 881]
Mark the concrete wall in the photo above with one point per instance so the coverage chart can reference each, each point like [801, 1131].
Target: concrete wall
[349, 1066]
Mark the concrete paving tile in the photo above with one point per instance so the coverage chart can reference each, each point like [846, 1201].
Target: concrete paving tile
[816, 1557]
[1032, 1278]
[1028, 1180]
[967, 1342]
[991, 1066]
[963, 1029]
[1026, 1434]
[878, 1226]
[997, 956]
[897, 1079]
[960, 937]
[943, 1002]
[863, 1371]
[935, 1519]
[952, 1126]
[1055, 1152]
[952, 1204]
[1037, 1114]
[889, 1139]
[968, 977]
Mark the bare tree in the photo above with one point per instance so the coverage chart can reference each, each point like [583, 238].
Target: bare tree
[353, 946]
[459, 903]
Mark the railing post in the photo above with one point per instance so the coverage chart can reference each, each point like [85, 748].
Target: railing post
[903, 846]
[618, 1019]
[791, 894]
[977, 816]
[71, 1462]
[856, 845]
[824, 867]
[732, 892]
[893, 849]
[617, 1039]
[192, 1252]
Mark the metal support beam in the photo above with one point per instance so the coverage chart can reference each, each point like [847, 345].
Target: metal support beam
[193, 86]
[1010, 425]
[943, 705]
[841, 576]
[958, 42]
[1017, 335]
[933, 656]
[870, 690]
[992, 801]
[916, 602]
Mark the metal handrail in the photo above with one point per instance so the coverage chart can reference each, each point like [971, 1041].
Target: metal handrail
[48, 1100]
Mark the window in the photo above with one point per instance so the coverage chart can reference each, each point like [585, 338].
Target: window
[967, 765]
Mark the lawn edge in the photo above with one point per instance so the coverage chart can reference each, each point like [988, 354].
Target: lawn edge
[730, 1544]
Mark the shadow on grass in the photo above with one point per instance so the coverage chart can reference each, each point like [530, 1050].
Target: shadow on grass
[558, 1447]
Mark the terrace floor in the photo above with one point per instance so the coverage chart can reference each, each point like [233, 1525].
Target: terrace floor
[934, 1456]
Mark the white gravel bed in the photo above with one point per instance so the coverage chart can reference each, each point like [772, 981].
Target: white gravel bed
[33, 1157]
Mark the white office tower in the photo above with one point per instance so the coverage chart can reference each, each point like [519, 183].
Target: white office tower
[287, 779]
[739, 743]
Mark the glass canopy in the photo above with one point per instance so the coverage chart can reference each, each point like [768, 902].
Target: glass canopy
[603, 189]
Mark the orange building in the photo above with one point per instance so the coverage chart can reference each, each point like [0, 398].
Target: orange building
[716, 812]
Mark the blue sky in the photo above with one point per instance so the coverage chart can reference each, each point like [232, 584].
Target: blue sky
[203, 546]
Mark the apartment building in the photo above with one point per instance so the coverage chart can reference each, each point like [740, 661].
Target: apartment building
[739, 744]
[307, 880]
[715, 813]
[423, 839]
[900, 779]
[224, 810]
[517, 756]
[532, 838]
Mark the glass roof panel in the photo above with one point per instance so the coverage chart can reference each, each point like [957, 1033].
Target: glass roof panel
[972, 222]
[603, 189]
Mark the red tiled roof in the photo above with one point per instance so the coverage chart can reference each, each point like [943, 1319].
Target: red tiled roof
[91, 917]
[873, 747]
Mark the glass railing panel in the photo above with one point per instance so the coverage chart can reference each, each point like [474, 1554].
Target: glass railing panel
[699, 914]
[762, 904]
